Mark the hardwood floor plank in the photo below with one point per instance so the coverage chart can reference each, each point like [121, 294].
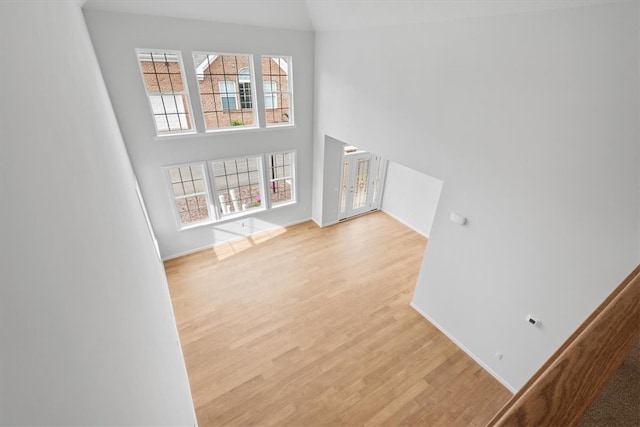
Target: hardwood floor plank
[312, 326]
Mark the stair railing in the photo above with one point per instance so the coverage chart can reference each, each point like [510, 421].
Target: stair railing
[562, 390]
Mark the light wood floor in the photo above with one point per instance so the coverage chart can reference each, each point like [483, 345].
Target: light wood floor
[311, 327]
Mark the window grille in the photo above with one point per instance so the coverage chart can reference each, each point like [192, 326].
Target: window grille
[278, 100]
[224, 83]
[281, 178]
[166, 89]
[238, 184]
[189, 189]
[270, 95]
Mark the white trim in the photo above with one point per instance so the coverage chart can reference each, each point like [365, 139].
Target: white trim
[149, 55]
[235, 239]
[218, 216]
[146, 217]
[184, 92]
[291, 178]
[403, 222]
[465, 349]
[206, 194]
[209, 132]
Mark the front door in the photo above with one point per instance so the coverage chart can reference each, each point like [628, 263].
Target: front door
[362, 175]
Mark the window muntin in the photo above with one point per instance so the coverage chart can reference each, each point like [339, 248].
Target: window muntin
[169, 112]
[281, 170]
[276, 78]
[238, 185]
[165, 85]
[270, 95]
[190, 194]
[224, 84]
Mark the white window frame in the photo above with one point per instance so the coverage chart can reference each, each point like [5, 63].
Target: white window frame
[210, 57]
[174, 197]
[285, 62]
[214, 206]
[219, 208]
[291, 178]
[184, 93]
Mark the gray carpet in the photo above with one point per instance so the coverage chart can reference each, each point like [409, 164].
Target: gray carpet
[619, 403]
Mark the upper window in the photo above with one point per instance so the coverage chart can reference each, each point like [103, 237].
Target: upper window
[190, 195]
[224, 82]
[276, 79]
[166, 89]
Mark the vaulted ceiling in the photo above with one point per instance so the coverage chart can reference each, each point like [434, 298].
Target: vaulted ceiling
[326, 15]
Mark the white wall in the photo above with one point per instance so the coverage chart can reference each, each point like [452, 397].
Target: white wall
[531, 121]
[411, 197]
[331, 180]
[116, 36]
[86, 327]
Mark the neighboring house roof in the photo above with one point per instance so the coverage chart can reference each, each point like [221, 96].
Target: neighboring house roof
[205, 60]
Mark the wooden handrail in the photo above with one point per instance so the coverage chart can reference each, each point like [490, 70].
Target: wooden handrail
[562, 390]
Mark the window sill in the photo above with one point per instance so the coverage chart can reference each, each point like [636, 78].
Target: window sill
[223, 131]
[231, 217]
[176, 134]
[224, 219]
[280, 125]
[237, 215]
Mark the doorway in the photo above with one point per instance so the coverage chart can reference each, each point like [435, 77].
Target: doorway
[361, 182]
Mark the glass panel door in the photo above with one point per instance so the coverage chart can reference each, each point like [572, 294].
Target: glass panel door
[345, 187]
[361, 184]
[362, 179]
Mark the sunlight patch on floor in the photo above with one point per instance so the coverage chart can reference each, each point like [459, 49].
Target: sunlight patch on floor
[226, 250]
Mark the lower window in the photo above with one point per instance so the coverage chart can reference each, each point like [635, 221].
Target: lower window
[231, 187]
[281, 168]
[190, 194]
[237, 185]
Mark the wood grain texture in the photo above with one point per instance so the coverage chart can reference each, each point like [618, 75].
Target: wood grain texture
[562, 390]
[312, 326]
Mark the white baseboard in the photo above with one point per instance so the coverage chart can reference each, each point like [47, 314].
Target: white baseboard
[465, 349]
[235, 239]
[400, 220]
[189, 252]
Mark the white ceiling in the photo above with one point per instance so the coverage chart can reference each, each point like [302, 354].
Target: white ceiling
[352, 14]
[290, 14]
[326, 15]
